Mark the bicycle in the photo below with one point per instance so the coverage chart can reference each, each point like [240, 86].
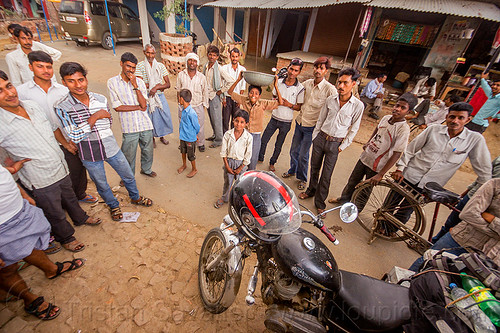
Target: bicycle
[379, 210]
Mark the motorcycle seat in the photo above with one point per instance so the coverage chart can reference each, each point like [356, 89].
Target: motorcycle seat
[373, 305]
[437, 193]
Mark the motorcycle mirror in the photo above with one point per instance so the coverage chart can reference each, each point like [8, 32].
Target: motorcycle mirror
[348, 212]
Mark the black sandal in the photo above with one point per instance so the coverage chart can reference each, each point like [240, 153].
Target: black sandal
[73, 266]
[44, 314]
[116, 213]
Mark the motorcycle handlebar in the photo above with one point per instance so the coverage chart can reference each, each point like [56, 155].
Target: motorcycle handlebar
[318, 223]
[329, 235]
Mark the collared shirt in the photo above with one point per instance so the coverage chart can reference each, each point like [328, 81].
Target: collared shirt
[340, 122]
[421, 89]
[389, 139]
[435, 157]
[33, 138]
[438, 116]
[189, 127]
[18, 63]
[197, 85]
[490, 108]
[234, 74]
[495, 173]
[225, 81]
[373, 88]
[96, 143]
[240, 150]
[314, 99]
[46, 100]
[11, 201]
[140, 70]
[255, 111]
[122, 92]
[293, 94]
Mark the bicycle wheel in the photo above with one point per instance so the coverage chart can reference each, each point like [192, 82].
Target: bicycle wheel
[376, 207]
[219, 286]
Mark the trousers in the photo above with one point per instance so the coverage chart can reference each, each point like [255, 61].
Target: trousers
[129, 148]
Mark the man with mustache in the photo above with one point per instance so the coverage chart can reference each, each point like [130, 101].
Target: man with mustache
[17, 61]
[128, 96]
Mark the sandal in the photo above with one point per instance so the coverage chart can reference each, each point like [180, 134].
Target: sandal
[74, 265]
[74, 246]
[301, 186]
[53, 248]
[304, 195]
[219, 203]
[143, 201]
[43, 314]
[89, 199]
[287, 175]
[116, 213]
[152, 174]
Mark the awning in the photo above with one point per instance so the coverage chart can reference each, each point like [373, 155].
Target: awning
[487, 11]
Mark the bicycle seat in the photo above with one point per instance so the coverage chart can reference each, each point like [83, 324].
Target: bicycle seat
[437, 193]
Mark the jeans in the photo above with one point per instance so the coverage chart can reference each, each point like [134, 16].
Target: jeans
[452, 220]
[255, 151]
[299, 152]
[98, 175]
[324, 154]
[283, 129]
[129, 148]
[445, 242]
[215, 115]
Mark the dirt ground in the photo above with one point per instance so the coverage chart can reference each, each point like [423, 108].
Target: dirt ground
[142, 277]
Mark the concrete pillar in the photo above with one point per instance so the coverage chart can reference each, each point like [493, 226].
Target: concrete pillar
[310, 29]
[216, 22]
[169, 21]
[229, 25]
[296, 41]
[191, 17]
[246, 28]
[266, 33]
[143, 17]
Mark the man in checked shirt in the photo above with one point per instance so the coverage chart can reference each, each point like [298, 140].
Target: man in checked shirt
[87, 121]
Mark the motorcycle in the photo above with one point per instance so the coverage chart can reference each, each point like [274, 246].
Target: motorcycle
[302, 286]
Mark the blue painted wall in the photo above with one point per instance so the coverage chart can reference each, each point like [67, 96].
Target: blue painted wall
[153, 7]
[205, 15]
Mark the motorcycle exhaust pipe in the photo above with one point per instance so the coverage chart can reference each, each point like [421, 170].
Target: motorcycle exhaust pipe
[252, 284]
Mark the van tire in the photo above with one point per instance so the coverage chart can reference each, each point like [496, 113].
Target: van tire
[107, 41]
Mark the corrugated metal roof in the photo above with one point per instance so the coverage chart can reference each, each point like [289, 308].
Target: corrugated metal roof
[482, 10]
[487, 11]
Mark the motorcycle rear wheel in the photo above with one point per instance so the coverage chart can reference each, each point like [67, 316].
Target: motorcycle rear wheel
[218, 288]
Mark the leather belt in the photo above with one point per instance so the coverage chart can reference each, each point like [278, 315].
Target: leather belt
[330, 138]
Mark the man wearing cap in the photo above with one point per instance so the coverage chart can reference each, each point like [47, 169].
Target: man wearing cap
[190, 78]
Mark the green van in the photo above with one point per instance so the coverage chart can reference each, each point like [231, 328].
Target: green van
[85, 22]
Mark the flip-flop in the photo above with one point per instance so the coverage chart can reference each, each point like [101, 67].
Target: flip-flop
[301, 185]
[89, 199]
[99, 221]
[152, 174]
[287, 175]
[304, 196]
[53, 248]
[219, 203]
[72, 267]
[74, 248]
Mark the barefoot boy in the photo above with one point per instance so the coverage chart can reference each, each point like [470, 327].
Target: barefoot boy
[236, 151]
[384, 148]
[188, 132]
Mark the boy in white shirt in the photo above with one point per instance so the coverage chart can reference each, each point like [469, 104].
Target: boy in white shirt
[236, 152]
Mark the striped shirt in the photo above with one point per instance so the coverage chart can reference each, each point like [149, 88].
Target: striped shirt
[33, 138]
[96, 143]
[122, 93]
[140, 70]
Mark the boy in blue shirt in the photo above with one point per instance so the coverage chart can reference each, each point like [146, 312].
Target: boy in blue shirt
[188, 132]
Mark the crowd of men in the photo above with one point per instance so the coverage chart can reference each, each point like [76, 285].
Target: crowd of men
[52, 135]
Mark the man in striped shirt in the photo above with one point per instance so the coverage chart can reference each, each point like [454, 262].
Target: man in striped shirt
[87, 122]
[129, 98]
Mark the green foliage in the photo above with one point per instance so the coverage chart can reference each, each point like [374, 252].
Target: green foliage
[176, 8]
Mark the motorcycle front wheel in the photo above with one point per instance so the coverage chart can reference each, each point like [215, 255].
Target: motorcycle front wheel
[219, 286]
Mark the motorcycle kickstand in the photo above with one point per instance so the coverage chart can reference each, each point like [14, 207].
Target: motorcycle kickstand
[252, 284]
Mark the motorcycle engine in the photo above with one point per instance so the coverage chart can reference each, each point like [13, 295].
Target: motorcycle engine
[278, 286]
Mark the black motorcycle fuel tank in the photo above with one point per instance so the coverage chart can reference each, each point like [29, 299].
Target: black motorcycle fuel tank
[304, 257]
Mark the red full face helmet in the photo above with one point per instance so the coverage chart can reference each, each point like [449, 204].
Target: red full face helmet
[263, 206]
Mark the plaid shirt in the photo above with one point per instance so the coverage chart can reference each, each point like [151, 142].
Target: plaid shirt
[96, 143]
[33, 138]
[122, 93]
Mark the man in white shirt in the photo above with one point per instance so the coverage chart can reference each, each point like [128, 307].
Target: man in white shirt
[292, 92]
[337, 125]
[17, 60]
[424, 118]
[425, 89]
[218, 82]
[229, 106]
[42, 90]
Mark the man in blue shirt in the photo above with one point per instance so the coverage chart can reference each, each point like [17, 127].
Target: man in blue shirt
[489, 109]
[373, 94]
